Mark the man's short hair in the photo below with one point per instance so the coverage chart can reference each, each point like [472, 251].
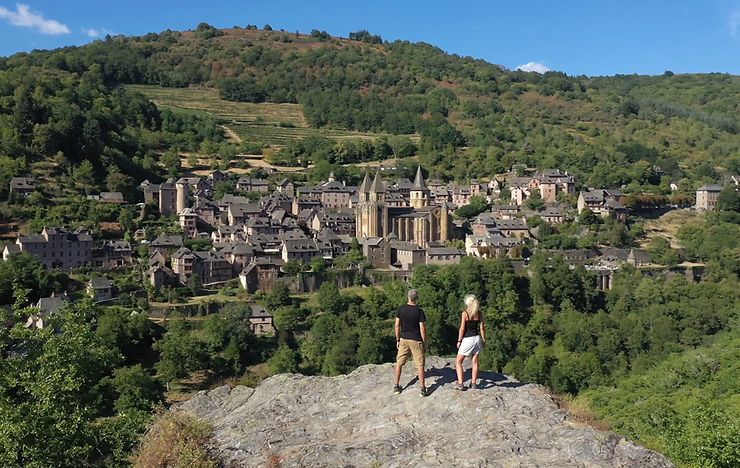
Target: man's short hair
[413, 295]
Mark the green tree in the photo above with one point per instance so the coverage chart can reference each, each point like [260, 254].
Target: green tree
[329, 298]
[589, 218]
[171, 162]
[292, 267]
[279, 296]
[325, 333]
[285, 360]
[318, 264]
[53, 389]
[535, 201]
[660, 252]
[729, 199]
[136, 389]
[476, 206]
[289, 318]
[180, 351]
[84, 176]
[342, 356]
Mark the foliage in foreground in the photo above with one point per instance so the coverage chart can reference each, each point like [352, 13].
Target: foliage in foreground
[688, 407]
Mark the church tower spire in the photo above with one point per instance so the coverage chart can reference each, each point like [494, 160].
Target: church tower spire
[419, 193]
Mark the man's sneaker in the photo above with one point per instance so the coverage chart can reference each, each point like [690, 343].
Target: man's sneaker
[473, 386]
[397, 389]
[424, 392]
[459, 386]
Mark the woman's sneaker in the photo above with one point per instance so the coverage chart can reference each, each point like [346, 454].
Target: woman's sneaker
[397, 389]
[424, 392]
[459, 386]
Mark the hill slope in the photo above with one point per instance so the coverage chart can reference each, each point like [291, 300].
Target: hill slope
[355, 420]
[474, 118]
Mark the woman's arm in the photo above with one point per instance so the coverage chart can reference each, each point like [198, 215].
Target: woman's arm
[482, 326]
[462, 329]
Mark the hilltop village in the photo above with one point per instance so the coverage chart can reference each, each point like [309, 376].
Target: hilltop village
[262, 230]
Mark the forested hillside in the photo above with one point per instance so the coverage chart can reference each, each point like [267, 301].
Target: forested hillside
[474, 118]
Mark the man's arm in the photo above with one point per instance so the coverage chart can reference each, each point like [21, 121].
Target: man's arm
[398, 331]
[423, 330]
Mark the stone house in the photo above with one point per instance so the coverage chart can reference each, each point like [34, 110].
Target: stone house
[340, 222]
[22, 186]
[404, 254]
[100, 288]
[248, 184]
[211, 267]
[239, 255]
[707, 196]
[260, 274]
[299, 249]
[376, 250]
[161, 275]
[492, 246]
[48, 306]
[287, 187]
[443, 256]
[113, 253]
[239, 213]
[603, 202]
[261, 321]
[552, 182]
[461, 196]
[164, 244]
[56, 247]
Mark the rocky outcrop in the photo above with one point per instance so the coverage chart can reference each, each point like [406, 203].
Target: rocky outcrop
[355, 420]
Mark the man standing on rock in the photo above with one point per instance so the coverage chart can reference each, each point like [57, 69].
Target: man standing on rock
[411, 339]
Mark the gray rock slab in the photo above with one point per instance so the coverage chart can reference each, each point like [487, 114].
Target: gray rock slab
[356, 420]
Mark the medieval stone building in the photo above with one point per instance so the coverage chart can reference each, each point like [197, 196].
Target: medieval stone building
[419, 221]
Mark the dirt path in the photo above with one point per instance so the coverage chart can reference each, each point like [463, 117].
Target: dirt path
[231, 135]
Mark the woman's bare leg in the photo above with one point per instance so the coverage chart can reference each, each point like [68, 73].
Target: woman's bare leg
[475, 368]
[459, 367]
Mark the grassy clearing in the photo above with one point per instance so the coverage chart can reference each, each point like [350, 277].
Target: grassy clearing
[668, 224]
[207, 100]
[311, 299]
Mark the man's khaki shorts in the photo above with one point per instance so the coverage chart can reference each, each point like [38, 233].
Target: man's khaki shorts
[410, 347]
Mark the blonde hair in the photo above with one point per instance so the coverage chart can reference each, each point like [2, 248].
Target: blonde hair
[471, 305]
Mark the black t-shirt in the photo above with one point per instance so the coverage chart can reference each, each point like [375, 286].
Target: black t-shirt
[410, 316]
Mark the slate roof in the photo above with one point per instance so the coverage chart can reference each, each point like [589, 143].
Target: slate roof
[100, 282]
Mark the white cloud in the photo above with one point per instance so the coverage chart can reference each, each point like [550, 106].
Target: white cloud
[533, 67]
[735, 24]
[92, 32]
[23, 16]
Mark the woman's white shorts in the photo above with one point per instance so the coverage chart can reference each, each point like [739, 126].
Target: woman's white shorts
[470, 345]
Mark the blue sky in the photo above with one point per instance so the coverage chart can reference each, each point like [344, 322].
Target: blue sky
[577, 37]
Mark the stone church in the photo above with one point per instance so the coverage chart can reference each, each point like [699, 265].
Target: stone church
[419, 221]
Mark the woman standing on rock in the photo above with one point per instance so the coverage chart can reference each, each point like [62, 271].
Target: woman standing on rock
[470, 340]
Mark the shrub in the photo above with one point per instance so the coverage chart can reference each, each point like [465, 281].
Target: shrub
[176, 439]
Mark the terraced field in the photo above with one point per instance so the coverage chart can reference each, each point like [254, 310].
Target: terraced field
[266, 123]
[275, 135]
[207, 100]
